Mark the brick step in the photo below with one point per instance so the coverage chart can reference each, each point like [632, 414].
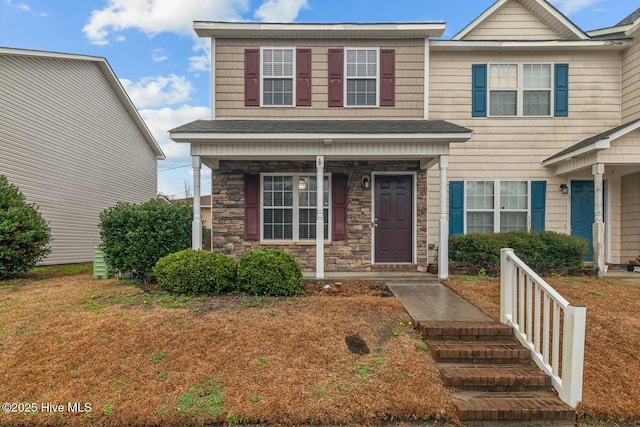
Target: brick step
[479, 352]
[529, 406]
[499, 378]
[397, 268]
[466, 331]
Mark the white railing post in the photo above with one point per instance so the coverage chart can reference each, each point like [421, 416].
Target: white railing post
[573, 354]
[506, 285]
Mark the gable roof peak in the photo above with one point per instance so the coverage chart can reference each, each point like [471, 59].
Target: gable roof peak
[542, 9]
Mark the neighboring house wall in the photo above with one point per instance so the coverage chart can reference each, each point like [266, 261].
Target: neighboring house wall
[512, 147]
[630, 217]
[68, 143]
[512, 22]
[631, 81]
[353, 254]
[409, 80]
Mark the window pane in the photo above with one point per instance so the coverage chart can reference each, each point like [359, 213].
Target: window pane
[277, 62]
[537, 76]
[361, 92]
[480, 195]
[278, 92]
[503, 103]
[513, 221]
[513, 195]
[537, 103]
[479, 222]
[503, 76]
[278, 224]
[362, 63]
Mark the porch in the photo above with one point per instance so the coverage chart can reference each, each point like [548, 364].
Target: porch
[369, 176]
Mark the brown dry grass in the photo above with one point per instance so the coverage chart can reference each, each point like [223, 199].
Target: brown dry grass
[611, 390]
[131, 354]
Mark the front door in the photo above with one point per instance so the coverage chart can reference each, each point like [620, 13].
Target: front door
[582, 212]
[393, 213]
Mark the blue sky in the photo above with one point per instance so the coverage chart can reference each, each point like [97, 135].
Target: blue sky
[163, 66]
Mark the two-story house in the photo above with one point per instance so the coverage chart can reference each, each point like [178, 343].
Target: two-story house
[521, 122]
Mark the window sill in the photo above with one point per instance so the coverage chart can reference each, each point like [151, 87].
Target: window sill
[292, 243]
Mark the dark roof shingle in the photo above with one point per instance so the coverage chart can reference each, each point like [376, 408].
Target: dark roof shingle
[630, 19]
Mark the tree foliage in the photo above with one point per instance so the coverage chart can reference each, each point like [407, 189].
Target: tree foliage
[24, 233]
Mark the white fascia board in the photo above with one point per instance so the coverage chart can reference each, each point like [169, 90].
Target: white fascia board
[609, 30]
[602, 144]
[473, 24]
[444, 45]
[331, 30]
[212, 137]
[633, 29]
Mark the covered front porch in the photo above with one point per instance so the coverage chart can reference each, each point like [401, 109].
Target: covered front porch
[603, 186]
[268, 177]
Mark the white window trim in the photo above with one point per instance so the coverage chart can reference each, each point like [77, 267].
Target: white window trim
[520, 89]
[295, 208]
[496, 202]
[346, 78]
[262, 76]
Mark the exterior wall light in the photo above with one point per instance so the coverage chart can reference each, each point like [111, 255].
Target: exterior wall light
[564, 188]
[366, 182]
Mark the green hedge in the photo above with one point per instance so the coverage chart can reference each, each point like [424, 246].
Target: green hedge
[541, 251]
[194, 272]
[267, 271]
[24, 233]
[136, 236]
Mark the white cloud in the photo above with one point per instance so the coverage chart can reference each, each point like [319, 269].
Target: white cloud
[280, 10]
[20, 6]
[159, 90]
[157, 16]
[201, 62]
[159, 55]
[160, 121]
[569, 7]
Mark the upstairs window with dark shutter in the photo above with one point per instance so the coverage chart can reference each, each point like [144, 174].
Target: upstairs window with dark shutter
[361, 75]
[278, 72]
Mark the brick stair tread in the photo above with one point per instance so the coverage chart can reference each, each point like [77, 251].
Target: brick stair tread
[465, 375]
[498, 352]
[466, 331]
[512, 406]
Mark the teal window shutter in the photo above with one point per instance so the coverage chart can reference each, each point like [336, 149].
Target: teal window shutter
[561, 93]
[538, 205]
[456, 207]
[479, 90]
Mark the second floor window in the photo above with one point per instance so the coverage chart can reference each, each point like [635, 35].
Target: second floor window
[361, 77]
[520, 89]
[277, 76]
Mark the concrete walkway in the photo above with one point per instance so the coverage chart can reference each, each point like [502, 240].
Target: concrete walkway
[431, 300]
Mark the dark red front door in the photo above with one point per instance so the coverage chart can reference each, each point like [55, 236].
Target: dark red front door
[394, 218]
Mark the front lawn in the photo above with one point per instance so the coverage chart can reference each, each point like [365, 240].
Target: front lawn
[611, 392]
[126, 356]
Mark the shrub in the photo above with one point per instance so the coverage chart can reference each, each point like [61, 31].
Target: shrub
[136, 236]
[268, 271]
[540, 251]
[24, 233]
[196, 272]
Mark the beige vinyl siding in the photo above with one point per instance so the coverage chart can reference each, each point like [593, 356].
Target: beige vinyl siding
[624, 150]
[513, 148]
[631, 82]
[68, 143]
[409, 100]
[512, 22]
[630, 218]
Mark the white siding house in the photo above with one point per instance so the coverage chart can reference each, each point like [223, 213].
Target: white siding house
[73, 142]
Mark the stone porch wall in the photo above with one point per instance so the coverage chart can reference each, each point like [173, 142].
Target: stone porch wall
[354, 254]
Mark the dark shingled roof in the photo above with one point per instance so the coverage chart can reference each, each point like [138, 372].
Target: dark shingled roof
[586, 142]
[321, 126]
[629, 19]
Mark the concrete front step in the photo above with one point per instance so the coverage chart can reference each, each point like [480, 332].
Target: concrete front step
[474, 408]
[479, 352]
[500, 378]
[466, 331]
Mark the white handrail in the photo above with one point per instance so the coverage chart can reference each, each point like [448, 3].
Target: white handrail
[539, 316]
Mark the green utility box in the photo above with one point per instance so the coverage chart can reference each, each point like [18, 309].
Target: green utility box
[100, 268]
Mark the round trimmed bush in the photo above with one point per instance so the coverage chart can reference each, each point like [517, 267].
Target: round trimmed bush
[195, 272]
[267, 271]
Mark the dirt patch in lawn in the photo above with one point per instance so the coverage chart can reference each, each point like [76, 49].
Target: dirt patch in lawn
[143, 357]
[611, 392]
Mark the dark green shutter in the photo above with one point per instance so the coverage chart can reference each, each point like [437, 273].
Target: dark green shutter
[561, 95]
[479, 90]
[456, 207]
[538, 205]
